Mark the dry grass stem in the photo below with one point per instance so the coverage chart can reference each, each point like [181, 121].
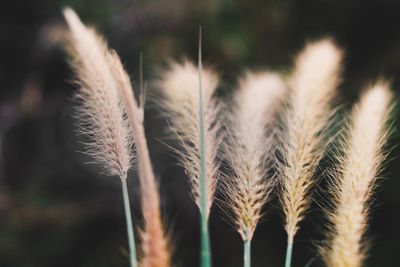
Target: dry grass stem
[180, 85]
[248, 187]
[313, 83]
[357, 170]
[154, 240]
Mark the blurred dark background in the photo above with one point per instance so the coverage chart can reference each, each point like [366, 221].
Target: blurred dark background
[57, 211]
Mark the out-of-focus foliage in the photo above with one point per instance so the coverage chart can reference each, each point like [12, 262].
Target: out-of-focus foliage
[57, 211]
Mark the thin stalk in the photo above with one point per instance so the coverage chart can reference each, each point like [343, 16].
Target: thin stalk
[247, 253]
[141, 70]
[143, 90]
[289, 249]
[310, 262]
[129, 226]
[205, 241]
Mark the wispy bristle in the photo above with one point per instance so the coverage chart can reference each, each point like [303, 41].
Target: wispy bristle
[155, 245]
[313, 84]
[101, 113]
[180, 85]
[357, 171]
[248, 188]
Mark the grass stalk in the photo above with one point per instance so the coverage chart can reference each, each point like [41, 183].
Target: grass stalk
[247, 253]
[205, 241]
[154, 242]
[310, 262]
[129, 226]
[288, 260]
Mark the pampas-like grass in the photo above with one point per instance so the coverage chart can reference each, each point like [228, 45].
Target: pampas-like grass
[112, 121]
[313, 83]
[357, 171]
[248, 188]
[107, 96]
[101, 114]
[180, 86]
[154, 240]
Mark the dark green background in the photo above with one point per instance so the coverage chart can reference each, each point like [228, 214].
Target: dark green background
[57, 211]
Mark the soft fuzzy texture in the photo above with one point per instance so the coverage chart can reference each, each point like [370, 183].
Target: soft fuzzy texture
[249, 149]
[356, 173]
[106, 94]
[312, 84]
[153, 237]
[180, 86]
[101, 113]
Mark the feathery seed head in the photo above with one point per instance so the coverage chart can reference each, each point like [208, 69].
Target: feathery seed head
[248, 188]
[154, 241]
[108, 103]
[312, 84]
[155, 244]
[101, 113]
[357, 170]
[180, 85]
[256, 101]
[317, 72]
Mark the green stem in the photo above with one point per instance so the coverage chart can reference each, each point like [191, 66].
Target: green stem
[205, 241]
[129, 226]
[247, 253]
[289, 249]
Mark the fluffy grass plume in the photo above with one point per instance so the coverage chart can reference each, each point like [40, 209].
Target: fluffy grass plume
[180, 86]
[106, 94]
[312, 84]
[154, 240]
[357, 171]
[248, 188]
[101, 113]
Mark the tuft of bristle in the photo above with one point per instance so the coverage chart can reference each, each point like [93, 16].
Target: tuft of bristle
[180, 85]
[154, 240]
[248, 148]
[101, 113]
[313, 83]
[357, 171]
[110, 108]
